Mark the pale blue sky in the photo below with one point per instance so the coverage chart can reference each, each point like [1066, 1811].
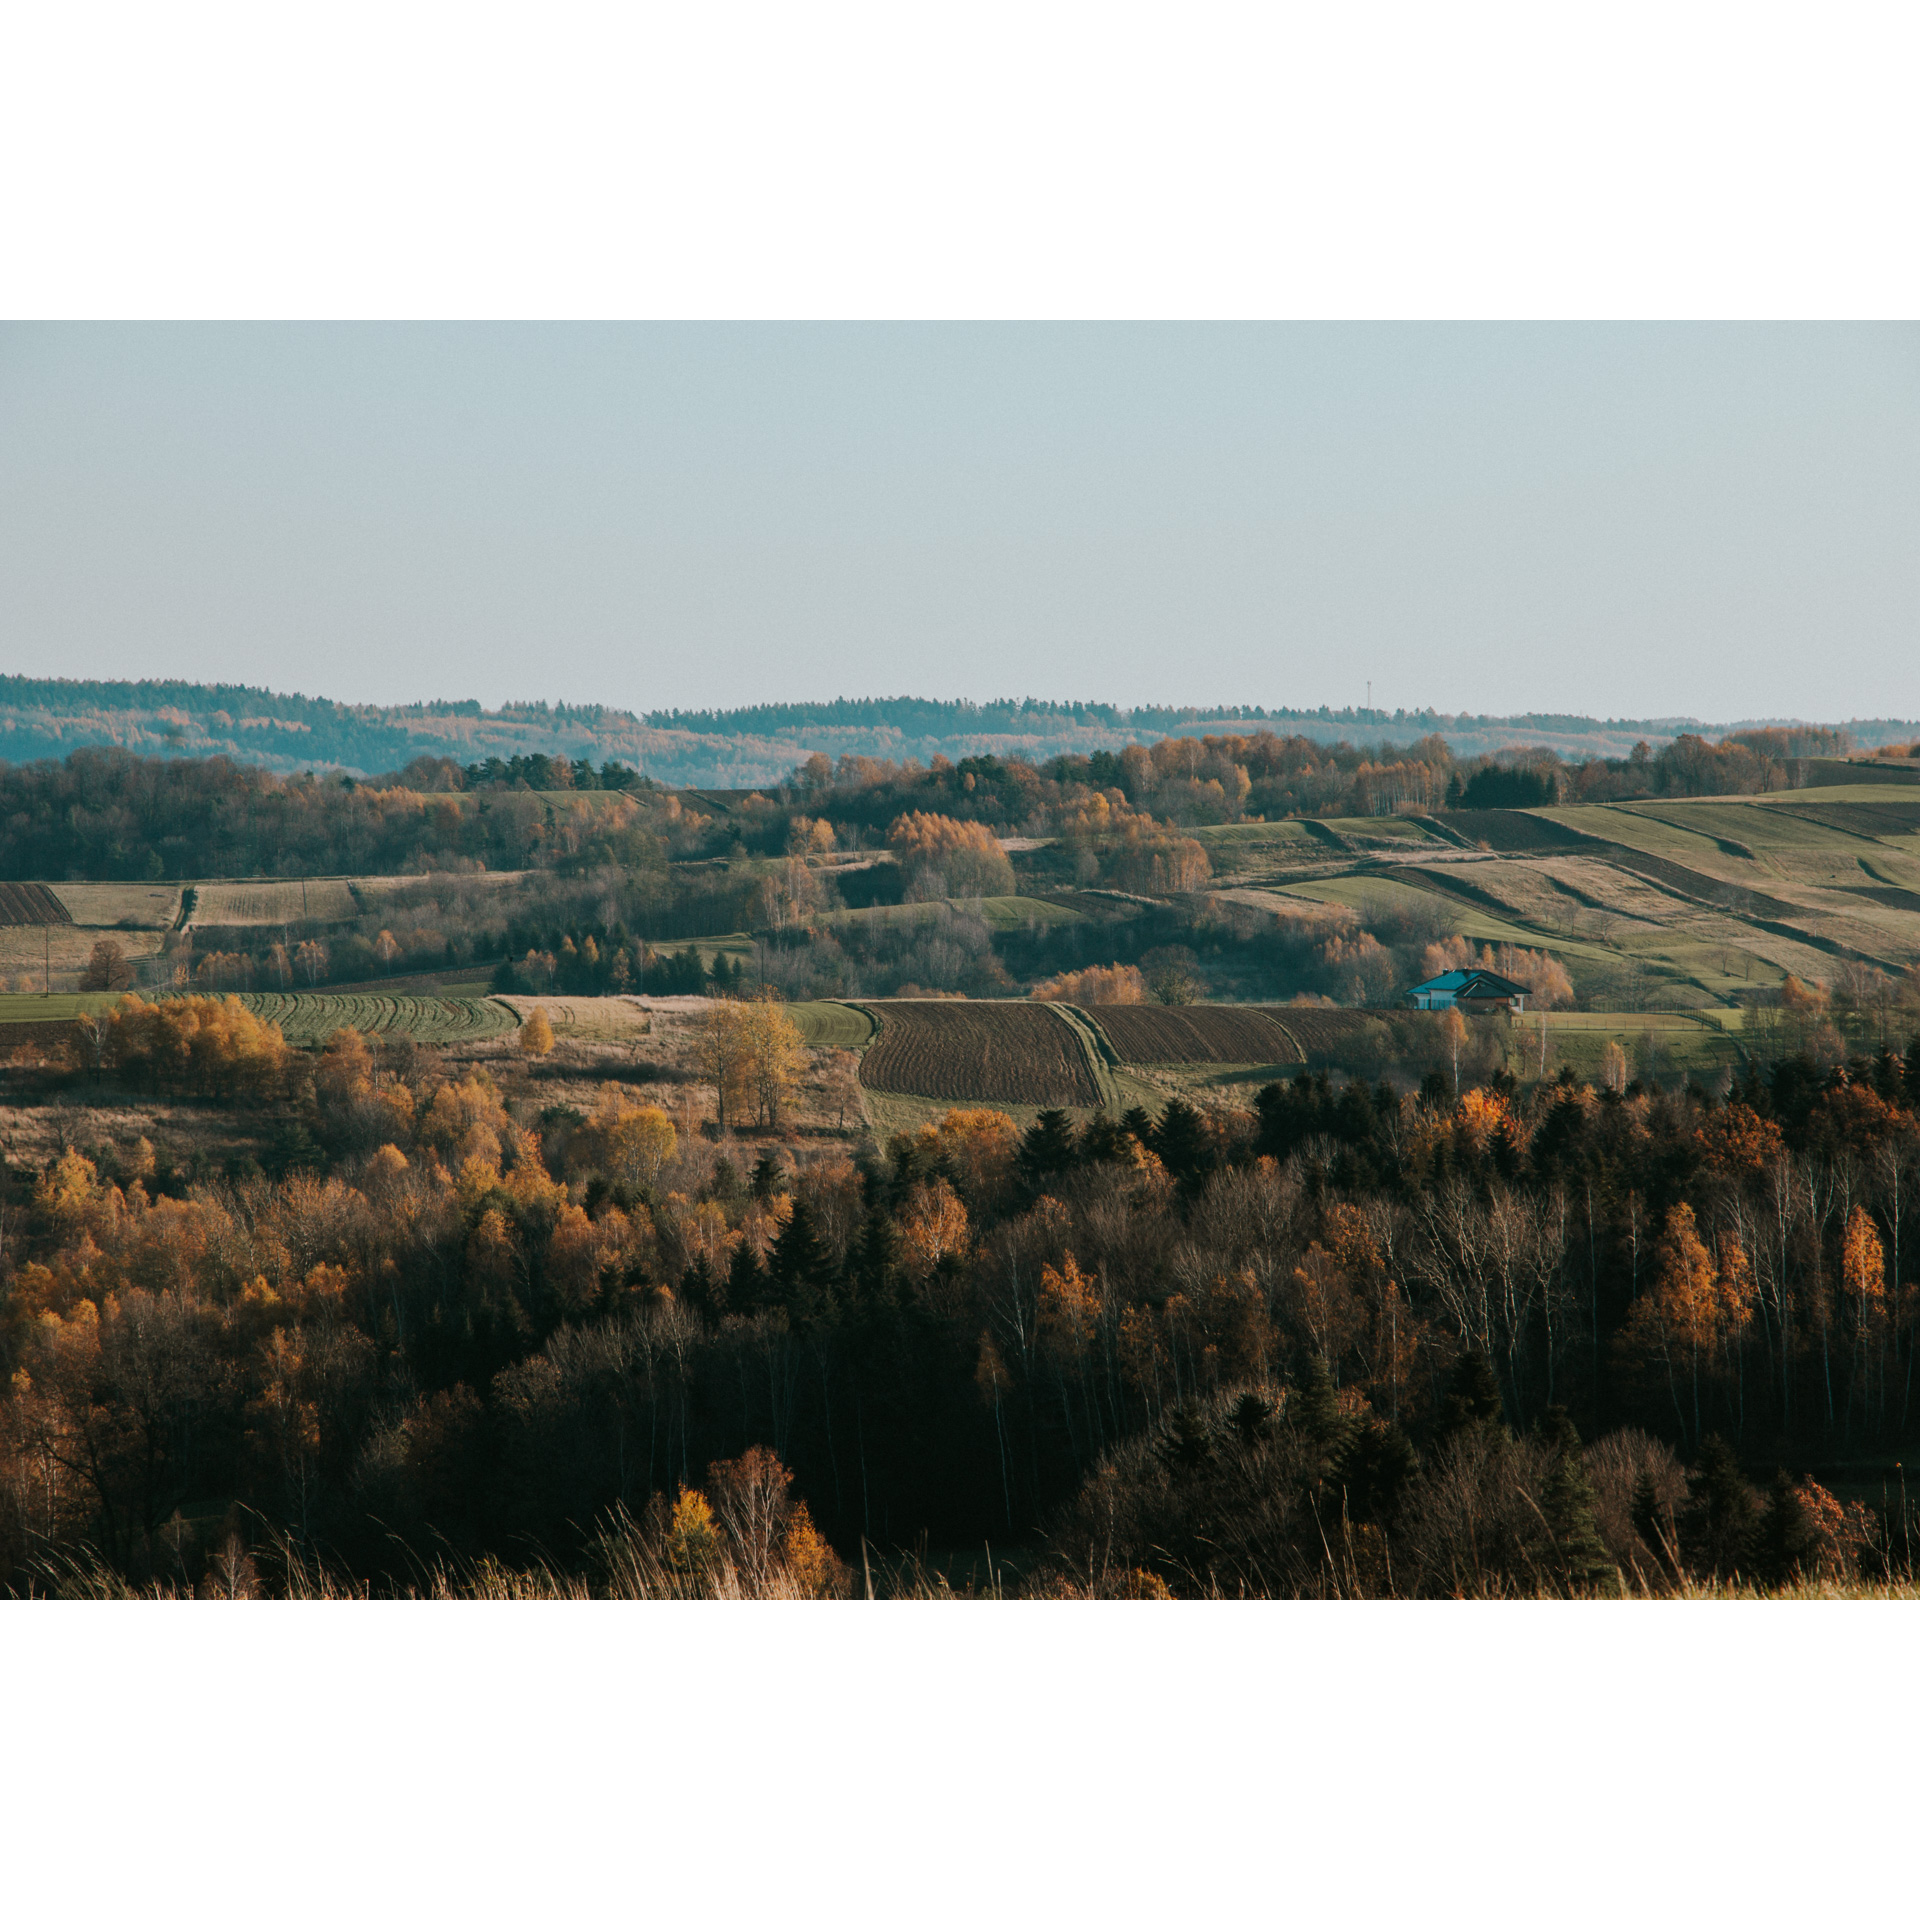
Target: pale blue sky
[1712, 520]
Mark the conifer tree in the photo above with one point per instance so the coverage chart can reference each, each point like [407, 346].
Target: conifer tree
[1651, 1522]
[1569, 1505]
[1473, 1398]
[1787, 1537]
[1314, 1410]
[746, 1281]
[1181, 1141]
[1722, 1511]
[796, 1265]
[1046, 1148]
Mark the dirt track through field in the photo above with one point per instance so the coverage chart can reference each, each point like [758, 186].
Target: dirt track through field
[989, 1050]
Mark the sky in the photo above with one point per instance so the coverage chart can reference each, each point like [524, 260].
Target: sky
[1720, 521]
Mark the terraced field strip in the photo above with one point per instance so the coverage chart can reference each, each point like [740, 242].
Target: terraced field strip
[737, 946]
[443, 980]
[1748, 830]
[1762, 910]
[273, 903]
[309, 1019]
[118, 903]
[1026, 910]
[584, 1016]
[999, 911]
[40, 1009]
[26, 903]
[1252, 833]
[1863, 819]
[986, 1051]
[368, 887]
[834, 1023]
[1409, 884]
[1508, 830]
[1186, 1036]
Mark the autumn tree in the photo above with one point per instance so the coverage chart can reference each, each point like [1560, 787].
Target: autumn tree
[775, 1053]
[536, 1034]
[107, 970]
[1116, 986]
[947, 858]
[724, 1056]
[1678, 1318]
[626, 1140]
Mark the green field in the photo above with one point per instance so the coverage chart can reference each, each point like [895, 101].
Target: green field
[1665, 1044]
[53, 1006]
[1252, 833]
[736, 946]
[1360, 890]
[832, 1023]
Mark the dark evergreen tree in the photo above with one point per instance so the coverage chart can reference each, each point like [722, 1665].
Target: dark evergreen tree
[698, 1290]
[1722, 1511]
[746, 1281]
[797, 1267]
[1473, 1398]
[1180, 1139]
[1652, 1521]
[1047, 1148]
[1569, 1505]
[1103, 1139]
[1788, 1539]
[1252, 1415]
[1313, 1409]
[1185, 1445]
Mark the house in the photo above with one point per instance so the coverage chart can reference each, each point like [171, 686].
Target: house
[1471, 989]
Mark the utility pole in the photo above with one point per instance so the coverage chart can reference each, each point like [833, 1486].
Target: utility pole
[46, 962]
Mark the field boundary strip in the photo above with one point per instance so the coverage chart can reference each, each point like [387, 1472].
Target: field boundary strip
[1101, 1060]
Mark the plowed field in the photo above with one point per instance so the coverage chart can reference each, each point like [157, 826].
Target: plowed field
[26, 903]
[1321, 1030]
[1181, 1036]
[988, 1050]
[306, 1018]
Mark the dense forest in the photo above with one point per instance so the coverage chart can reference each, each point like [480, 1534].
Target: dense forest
[1351, 1341]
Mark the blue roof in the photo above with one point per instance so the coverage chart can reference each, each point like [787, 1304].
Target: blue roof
[1457, 978]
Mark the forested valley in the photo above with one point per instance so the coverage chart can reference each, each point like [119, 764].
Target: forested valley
[1478, 1340]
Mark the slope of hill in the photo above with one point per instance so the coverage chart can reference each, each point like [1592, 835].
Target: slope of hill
[744, 747]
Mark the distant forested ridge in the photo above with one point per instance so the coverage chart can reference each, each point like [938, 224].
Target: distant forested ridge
[742, 747]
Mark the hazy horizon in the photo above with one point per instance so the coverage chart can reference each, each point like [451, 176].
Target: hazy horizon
[1710, 522]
